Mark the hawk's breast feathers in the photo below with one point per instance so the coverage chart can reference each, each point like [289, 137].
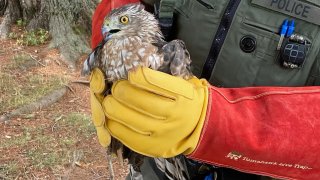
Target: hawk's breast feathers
[133, 38]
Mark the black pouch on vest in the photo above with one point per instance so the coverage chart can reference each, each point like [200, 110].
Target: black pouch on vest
[294, 51]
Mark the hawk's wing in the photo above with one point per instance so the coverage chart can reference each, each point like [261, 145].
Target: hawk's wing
[176, 59]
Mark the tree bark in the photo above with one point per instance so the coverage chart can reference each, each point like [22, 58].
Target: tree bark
[3, 6]
[11, 11]
[68, 22]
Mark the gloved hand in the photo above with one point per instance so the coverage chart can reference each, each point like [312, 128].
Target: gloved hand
[97, 88]
[160, 115]
[156, 114]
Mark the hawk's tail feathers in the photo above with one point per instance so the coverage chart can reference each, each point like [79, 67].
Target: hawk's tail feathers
[88, 64]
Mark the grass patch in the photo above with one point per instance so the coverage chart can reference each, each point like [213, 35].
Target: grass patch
[45, 158]
[58, 149]
[8, 88]
[43, 150]
[18, 86]
[81, 122]
[68, 141]
[21, 62]
[17, 141]
[48, 148]
[9, 169]
[18, 91]
[29, 135]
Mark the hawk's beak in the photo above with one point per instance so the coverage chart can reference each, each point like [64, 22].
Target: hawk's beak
[113, 31]
[106, 32]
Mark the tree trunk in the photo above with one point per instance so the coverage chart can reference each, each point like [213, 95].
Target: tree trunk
[3, 6]
[11, 11]
[68, 22]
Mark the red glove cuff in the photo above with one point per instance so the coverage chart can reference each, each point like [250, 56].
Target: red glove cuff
[263, 130]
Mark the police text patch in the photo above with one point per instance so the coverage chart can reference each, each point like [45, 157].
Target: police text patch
[294, 8]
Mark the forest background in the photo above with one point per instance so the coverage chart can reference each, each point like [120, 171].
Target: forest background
[45, 125]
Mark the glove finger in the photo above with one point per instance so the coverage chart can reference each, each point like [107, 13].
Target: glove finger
[97, 113]
[141, 100]
[135, 141]
[104, 136]
[97, 81]
[142, 123]
[161, 83]
[98, 119]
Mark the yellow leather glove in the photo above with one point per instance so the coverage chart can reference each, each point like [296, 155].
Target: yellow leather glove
[156, 114]
[97, 88]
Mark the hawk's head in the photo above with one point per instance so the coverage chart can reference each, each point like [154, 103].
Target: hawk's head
[131, 20]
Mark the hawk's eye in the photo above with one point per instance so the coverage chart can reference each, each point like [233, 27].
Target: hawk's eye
[124, 19]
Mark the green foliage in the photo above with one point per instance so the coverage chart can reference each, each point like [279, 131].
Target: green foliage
[21, 23]
[33, 38]
[29, 38]
[13, 35]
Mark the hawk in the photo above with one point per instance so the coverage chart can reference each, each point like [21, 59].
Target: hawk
[132, 38]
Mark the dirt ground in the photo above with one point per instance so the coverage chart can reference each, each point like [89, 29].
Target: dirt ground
[56, 142]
